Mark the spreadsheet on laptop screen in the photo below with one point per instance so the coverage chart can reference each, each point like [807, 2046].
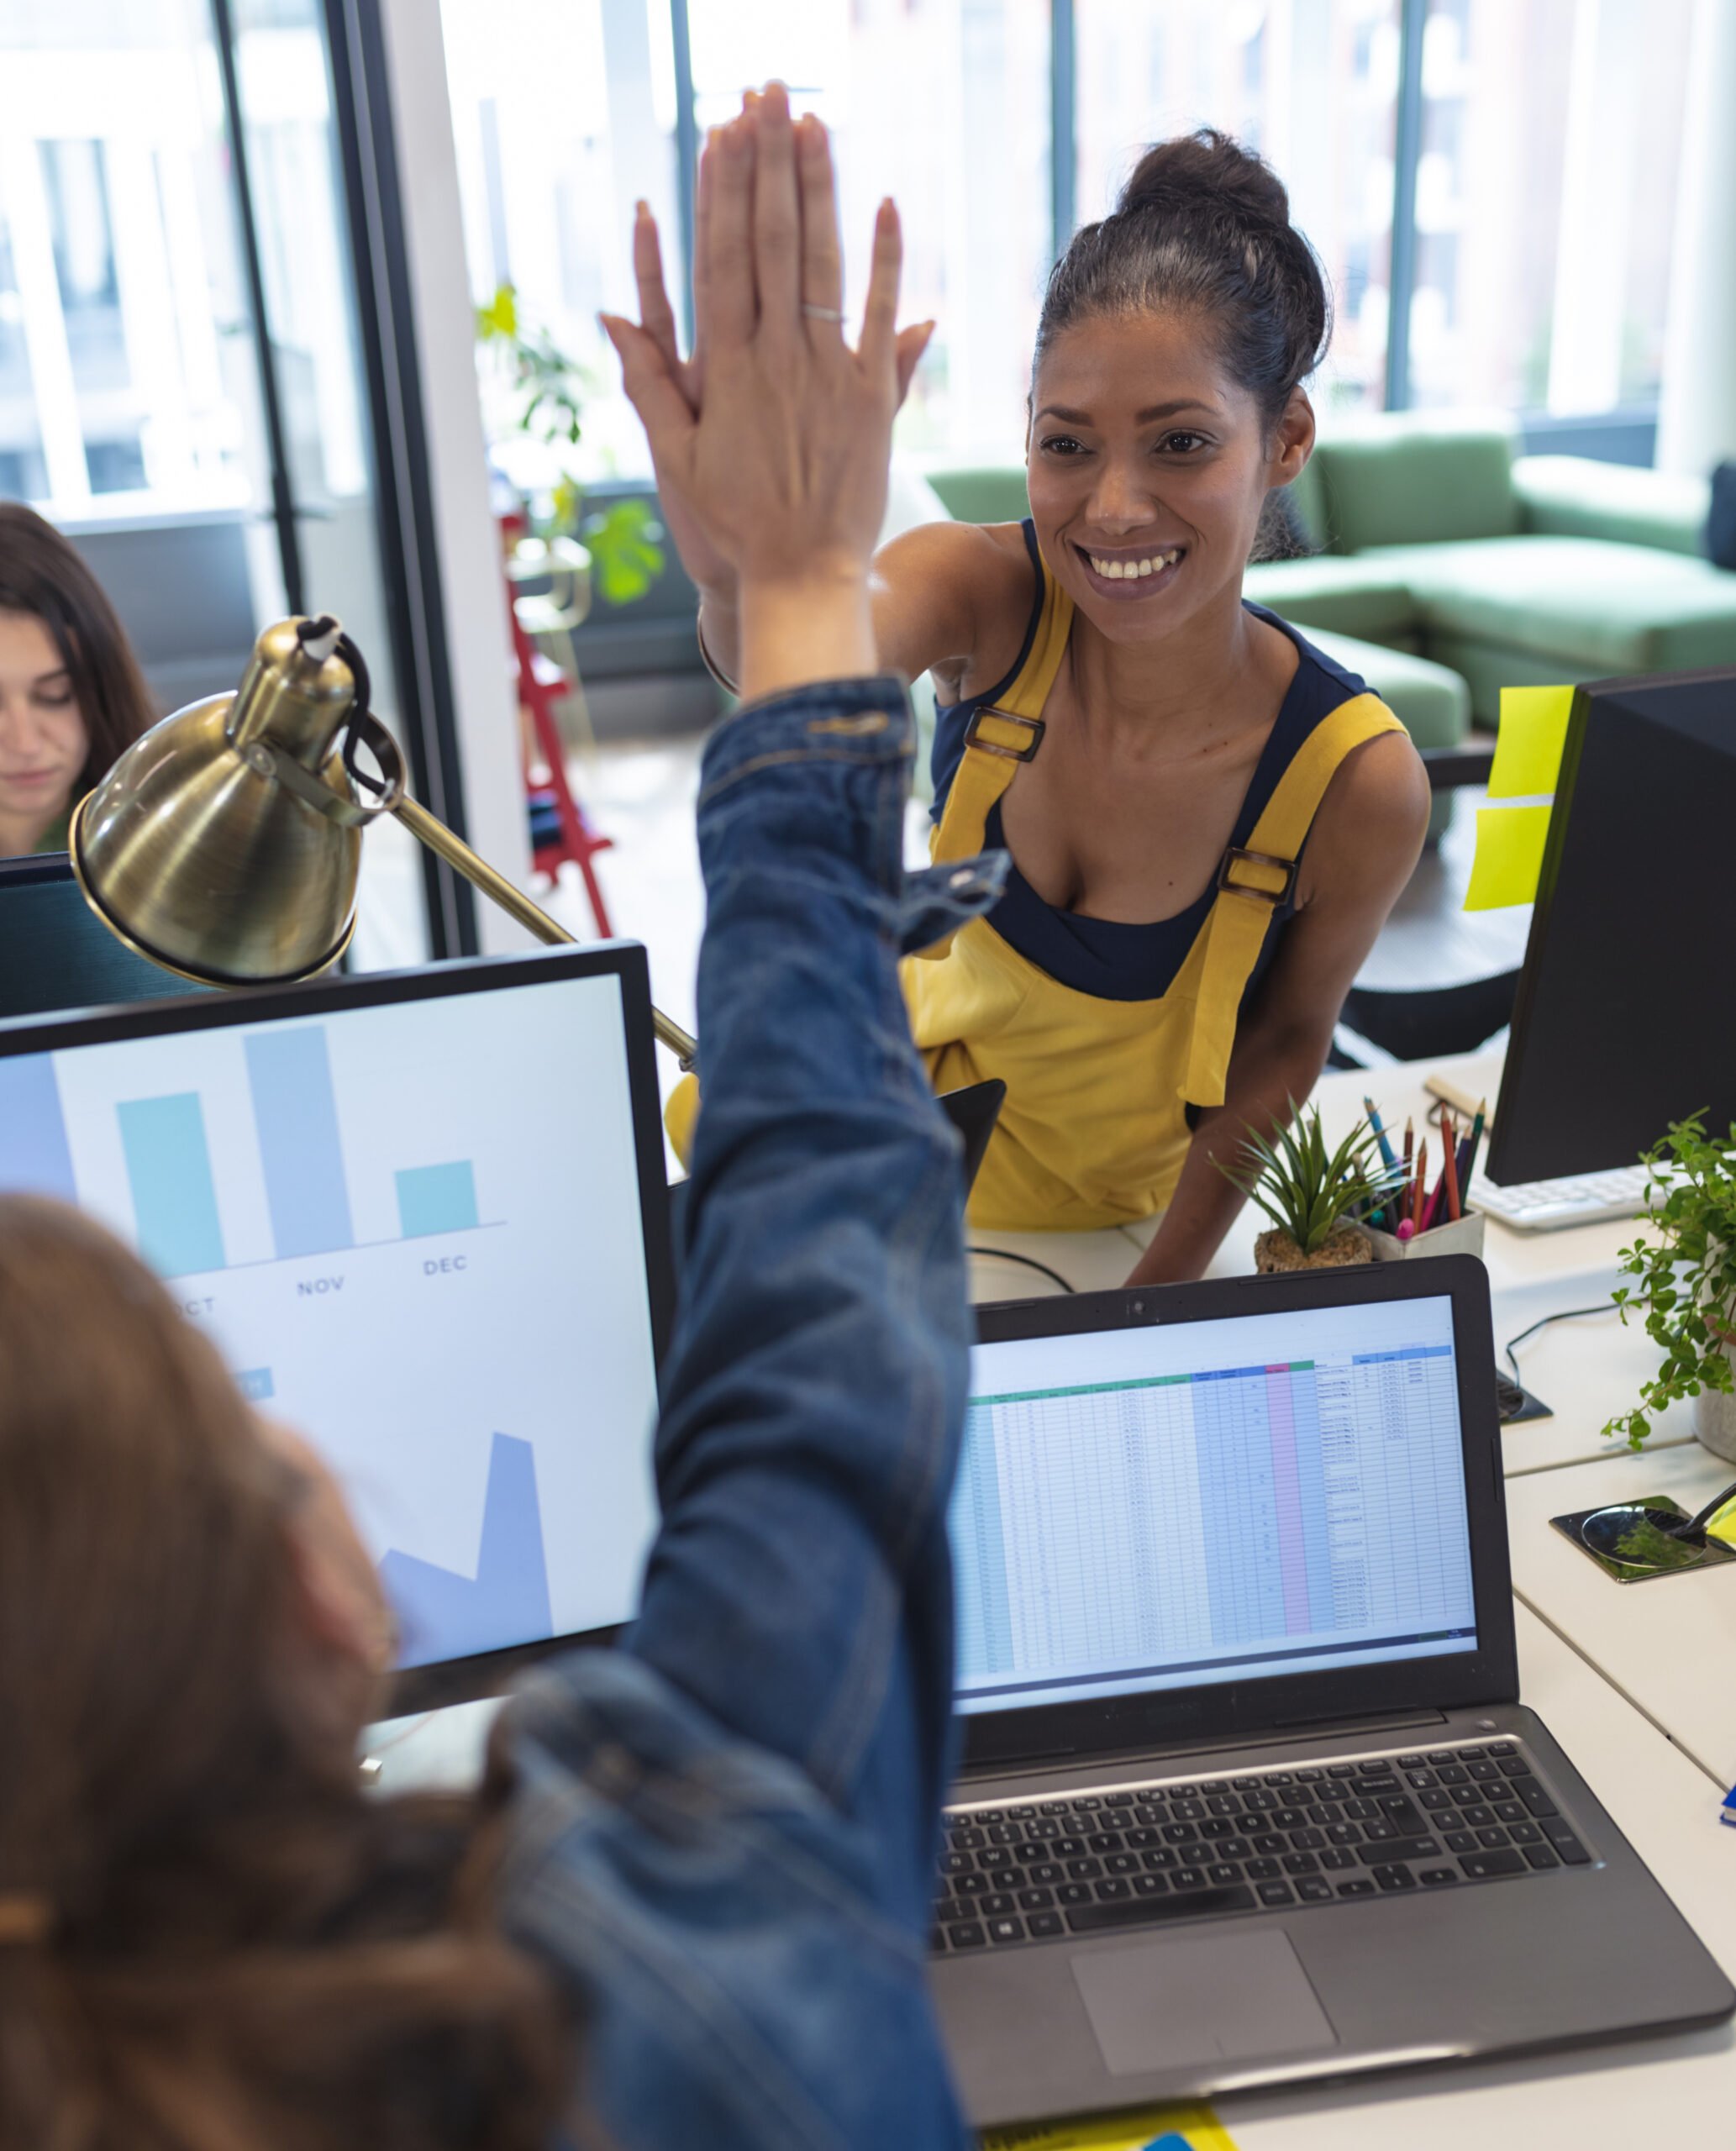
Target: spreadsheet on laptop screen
[1237, 1499]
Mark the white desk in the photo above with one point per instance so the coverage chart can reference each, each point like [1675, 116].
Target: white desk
[1653, 2092]
[1668, 1644]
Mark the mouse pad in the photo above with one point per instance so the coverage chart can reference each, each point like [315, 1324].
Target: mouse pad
[1163, 2004]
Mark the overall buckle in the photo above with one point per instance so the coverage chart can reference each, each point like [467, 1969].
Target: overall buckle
[1034, 725]
[1277, 898]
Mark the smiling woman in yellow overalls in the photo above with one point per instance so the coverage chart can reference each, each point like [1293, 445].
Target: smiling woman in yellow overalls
[1209, 820]
[1106, 1033]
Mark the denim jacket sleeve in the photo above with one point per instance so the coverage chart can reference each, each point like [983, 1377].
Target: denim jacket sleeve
[725, 1831]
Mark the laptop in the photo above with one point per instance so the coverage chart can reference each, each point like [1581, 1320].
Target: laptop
[1249, 1796]
[422, 1216]
[55, 953]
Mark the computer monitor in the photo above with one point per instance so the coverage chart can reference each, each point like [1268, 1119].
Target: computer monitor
[55, 953]
[1624, 1020]
[421, 1215]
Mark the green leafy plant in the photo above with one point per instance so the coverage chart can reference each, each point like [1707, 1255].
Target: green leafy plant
[1685, 1269]
[1307, 1190]
[546, 400]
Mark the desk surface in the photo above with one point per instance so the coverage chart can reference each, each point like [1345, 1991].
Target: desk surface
[1660, 2092]
[1668, 1644]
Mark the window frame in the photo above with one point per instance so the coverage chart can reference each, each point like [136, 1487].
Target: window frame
[1618, 435]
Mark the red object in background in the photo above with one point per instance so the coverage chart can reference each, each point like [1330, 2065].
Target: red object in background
[541, 683]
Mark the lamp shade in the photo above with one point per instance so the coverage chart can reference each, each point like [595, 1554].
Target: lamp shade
[223, 844]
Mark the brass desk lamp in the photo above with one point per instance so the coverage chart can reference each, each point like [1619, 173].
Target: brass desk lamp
[224, 844]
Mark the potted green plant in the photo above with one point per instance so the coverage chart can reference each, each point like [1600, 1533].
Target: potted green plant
[1684, 1273]
[1312, 1195]
[532, 389]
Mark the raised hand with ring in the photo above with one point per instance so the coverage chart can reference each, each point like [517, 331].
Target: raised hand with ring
[770, 443]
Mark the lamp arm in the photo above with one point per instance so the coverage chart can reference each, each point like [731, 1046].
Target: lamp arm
[494, 885]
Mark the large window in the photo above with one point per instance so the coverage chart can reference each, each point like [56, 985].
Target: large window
[120, 386]
[564, 113]
[942, 104]
[181, 384]
[1312, 84]
[1537, 171]
[1545, 201]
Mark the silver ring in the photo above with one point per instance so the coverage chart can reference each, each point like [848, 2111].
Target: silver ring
[822, 312]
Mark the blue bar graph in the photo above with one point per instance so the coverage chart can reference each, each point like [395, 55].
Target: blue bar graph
[294, 1108]
[169, 1170]
[34, 1158]
[437, 1199]
[445, 1615]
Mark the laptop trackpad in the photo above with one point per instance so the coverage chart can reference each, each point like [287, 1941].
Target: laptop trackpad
[1163, 2004]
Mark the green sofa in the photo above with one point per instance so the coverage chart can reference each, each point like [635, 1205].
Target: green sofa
[1519, 571]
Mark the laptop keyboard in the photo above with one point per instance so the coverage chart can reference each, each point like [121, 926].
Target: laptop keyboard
[1146, 1855]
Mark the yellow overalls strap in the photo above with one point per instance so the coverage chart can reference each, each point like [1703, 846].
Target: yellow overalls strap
[1002, 734]
[1252, 883]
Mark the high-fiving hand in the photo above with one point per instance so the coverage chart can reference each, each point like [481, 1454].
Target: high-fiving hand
[771, 442]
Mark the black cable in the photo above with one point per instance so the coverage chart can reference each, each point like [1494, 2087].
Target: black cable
[357, 666]
[1567, 1314]
[1030, 1262]
[361, 706]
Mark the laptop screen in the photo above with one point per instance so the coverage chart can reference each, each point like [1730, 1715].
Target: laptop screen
[1227, 1500]
[413, 1230]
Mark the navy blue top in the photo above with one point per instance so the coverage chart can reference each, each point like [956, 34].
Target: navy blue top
[1116, 960]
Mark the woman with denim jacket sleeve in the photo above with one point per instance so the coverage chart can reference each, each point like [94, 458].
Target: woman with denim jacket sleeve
[727, 1831]
[701, 1862]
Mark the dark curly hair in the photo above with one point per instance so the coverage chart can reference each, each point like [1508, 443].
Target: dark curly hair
[1202, 225]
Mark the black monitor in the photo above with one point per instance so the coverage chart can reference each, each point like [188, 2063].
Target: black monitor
[55, 953]
[1626, 1018]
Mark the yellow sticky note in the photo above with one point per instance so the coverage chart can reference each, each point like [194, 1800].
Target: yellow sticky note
[1509, 857]
[1154, 2128]
[1528, 750]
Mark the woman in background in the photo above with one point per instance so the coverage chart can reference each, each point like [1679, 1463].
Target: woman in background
[71, 695]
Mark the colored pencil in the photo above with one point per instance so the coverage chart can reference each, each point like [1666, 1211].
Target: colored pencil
[1417, 1190]
[1453, 1209]
[1471, 1149]
[1374, 1122]
[1433, 1214]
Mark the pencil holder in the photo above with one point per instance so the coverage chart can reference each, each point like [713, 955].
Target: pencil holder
[1462, 1236]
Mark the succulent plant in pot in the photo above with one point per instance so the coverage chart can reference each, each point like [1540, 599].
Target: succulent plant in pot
[1312, 1195]
[1684, 1269]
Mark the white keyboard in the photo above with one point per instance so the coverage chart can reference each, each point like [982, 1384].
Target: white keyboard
[1546, 1206]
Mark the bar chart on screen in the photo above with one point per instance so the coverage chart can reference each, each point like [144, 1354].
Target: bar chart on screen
[287, 1119]
[371, 1215]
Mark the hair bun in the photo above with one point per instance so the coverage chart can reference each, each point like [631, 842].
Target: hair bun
[1206, 170]
[1202, 226]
